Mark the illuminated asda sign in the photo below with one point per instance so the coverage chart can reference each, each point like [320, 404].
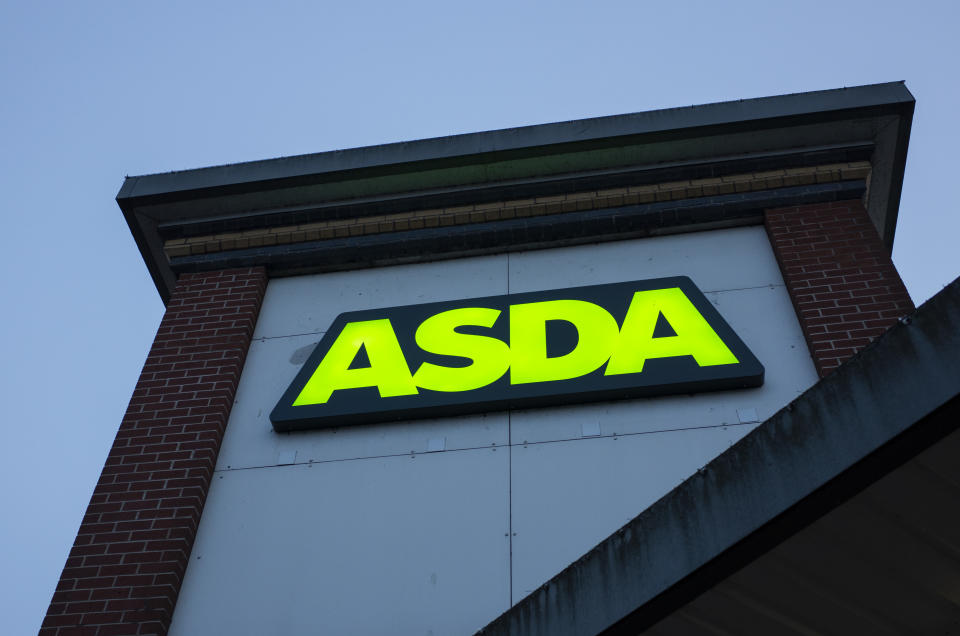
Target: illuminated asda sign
[603, 342]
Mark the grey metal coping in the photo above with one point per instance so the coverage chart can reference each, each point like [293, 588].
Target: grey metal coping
[665, 145]
[516, 139]
[881, 408]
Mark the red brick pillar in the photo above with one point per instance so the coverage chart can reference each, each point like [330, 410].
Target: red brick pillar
[126, 566]
[844, 286]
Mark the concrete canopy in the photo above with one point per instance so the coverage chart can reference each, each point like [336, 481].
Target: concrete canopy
[837, 515]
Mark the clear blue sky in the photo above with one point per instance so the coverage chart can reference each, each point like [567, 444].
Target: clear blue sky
[93, 91]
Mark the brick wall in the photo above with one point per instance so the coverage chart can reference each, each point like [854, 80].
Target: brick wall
[843, 284]
[127, 563]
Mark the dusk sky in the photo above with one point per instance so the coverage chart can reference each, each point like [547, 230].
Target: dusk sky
[94, 91]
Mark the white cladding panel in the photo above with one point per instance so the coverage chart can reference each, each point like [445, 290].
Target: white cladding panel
[569, 496]
[372, 546]
[762, 317]
[368, 533]
[308, 304]
[272, 364]
[722, 259]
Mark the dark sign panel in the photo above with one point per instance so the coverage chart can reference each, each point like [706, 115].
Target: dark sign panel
[603, 342]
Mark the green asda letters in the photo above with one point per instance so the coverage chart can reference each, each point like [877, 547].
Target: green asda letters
[601, 341]
[532, 349]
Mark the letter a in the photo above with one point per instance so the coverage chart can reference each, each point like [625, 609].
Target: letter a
[388, 370]
[695, 337]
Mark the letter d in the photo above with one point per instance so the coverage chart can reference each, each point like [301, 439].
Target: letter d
[597, 333]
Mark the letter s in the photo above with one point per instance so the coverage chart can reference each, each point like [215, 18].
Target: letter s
[437, 334]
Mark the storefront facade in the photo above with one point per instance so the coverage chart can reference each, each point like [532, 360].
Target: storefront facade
[211, 518]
